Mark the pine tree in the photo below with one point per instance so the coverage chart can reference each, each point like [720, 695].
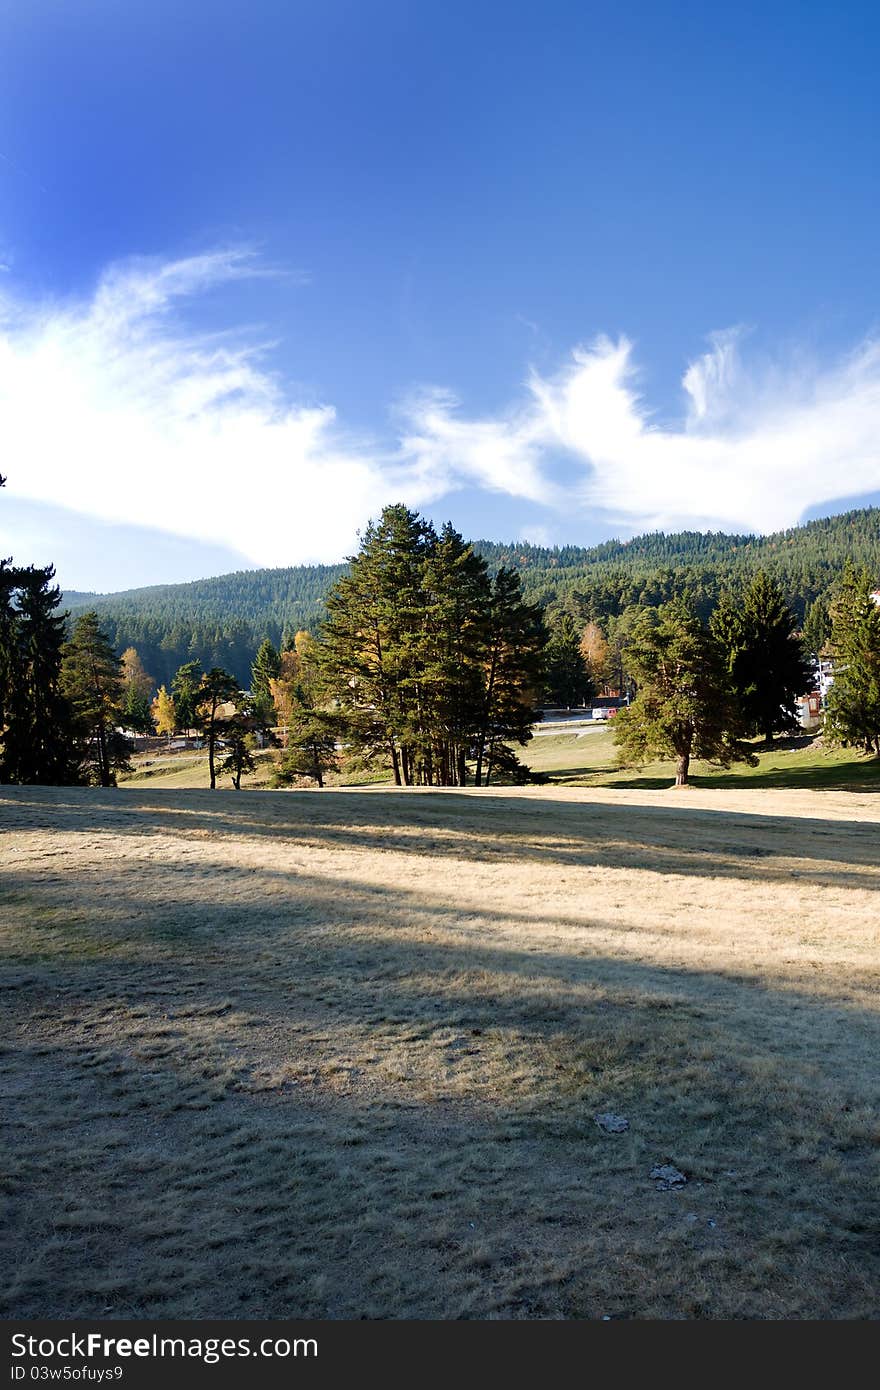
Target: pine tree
[450, 657]
[817, 627]
[513, 674]
[243, 732]
[311, 746]
[853, 716]
[266, 668]
[684, 707]
[429, 663]
[427, 660]
[90, 681]
[240, 758]
[766, 663]
[370, 640]
[216, 690]
[568, 677]
[240, 741]
[37, 736]
[9, 642]
[185, 687]
[135, 711]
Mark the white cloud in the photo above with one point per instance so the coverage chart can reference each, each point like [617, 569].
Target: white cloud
[112, 408]
[757, 446]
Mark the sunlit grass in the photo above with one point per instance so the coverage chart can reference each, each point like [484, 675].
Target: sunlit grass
[589, 759]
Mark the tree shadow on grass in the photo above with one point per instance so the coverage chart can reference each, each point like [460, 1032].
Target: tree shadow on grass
[313, 1109]
[669, 838]
[847, 777]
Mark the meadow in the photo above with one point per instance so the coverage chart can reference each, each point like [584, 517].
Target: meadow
[342, 1054]
[587, 757]
[581, 756]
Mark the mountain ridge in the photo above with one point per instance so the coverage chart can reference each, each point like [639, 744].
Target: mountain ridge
[220, 620]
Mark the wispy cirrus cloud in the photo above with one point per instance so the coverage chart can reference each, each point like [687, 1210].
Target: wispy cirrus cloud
[113, 407]
[757, 445]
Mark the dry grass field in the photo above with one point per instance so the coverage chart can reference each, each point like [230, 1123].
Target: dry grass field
[340, 1054]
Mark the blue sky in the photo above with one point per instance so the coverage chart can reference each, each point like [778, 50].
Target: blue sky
[557, 272]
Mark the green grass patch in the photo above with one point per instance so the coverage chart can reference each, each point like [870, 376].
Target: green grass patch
[590, 759]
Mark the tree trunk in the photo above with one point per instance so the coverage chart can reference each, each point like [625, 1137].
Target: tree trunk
[395, 763]
[487, 716]
[103, 757]
[681, 774]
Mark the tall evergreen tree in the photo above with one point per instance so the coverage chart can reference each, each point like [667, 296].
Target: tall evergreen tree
[266, 668]
[240, 740]
[240, 743]
[90, 681]
[216, 690]
[449, 686]
[568, 676]
[817, 627]
[427, 660]
[375, 620]
[185, 688]
[766, 663]
[36, 727]
[513, 673]
[8, 639]
[311, 746]
[684, 707]
[853, 716]
[243, 732]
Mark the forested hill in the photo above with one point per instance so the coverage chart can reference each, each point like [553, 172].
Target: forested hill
[222, 621]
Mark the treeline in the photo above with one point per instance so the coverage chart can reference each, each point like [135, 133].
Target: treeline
[222, 621]
[431, 666]
[806, 561]
[706, 690]
[61, 700]
[217, 622]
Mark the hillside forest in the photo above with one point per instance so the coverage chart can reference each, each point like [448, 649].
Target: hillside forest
[432, 664]
[222, 621]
